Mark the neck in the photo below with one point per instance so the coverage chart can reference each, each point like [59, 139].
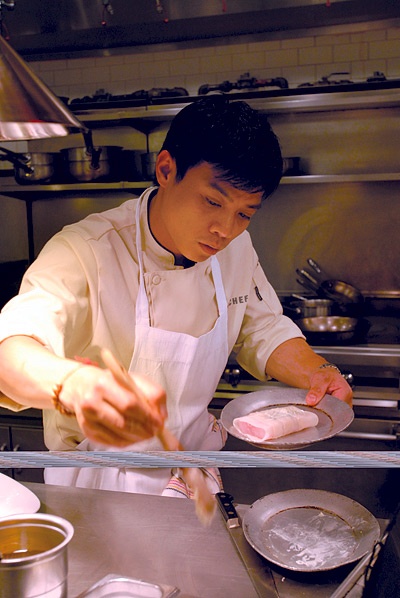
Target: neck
[153, 217]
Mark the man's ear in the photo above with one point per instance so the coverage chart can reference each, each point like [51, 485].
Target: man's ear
[165, 167]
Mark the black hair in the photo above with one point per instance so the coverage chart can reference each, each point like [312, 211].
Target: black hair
[236, 140]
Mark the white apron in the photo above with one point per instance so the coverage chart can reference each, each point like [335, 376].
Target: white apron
[189, 369]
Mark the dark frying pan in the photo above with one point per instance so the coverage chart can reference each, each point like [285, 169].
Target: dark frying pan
[338, 290]
[341, 291]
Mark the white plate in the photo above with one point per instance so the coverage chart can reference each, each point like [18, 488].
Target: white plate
[15, 499]
[333, 416]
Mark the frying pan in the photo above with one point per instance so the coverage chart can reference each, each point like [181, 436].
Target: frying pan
[337, 290]
[329, 329]
[327, 324]
[310, 530]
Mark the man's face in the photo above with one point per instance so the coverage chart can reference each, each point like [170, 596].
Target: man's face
[199, 215]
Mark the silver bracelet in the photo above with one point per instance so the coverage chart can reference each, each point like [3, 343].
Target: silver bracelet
[329, 365]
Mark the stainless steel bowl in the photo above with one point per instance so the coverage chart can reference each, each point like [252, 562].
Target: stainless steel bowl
[33, 556]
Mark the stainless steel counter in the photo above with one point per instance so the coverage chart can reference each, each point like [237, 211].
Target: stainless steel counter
[159, 540]
[155, 539]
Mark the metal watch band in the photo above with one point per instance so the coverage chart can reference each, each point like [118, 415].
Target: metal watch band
[329, 365]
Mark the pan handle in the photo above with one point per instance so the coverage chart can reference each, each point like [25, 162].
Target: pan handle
[17, 160]
[317, 268]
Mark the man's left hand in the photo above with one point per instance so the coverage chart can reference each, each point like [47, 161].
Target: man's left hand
[328, 381]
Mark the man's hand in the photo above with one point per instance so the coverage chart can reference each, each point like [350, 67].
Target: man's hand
[295, 363]
[328, 381]
[110, 414]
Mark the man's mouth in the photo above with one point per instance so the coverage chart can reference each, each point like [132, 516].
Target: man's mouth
[209, 249]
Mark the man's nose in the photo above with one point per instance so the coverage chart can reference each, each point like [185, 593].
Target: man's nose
[223, 227]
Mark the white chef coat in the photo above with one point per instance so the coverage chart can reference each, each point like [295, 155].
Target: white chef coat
[81, 292]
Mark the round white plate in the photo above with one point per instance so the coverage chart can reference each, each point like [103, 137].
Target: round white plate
[16, 499]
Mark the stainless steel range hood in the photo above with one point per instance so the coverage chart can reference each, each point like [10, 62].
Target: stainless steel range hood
[45, 28]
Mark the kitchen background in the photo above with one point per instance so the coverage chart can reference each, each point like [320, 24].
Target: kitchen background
[350, 227]
[348, 223]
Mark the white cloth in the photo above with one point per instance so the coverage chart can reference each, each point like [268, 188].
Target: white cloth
[82, 290]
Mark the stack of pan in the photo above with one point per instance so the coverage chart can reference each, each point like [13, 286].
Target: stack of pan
[336, 309]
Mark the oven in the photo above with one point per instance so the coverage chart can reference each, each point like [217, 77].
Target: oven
[373, 368]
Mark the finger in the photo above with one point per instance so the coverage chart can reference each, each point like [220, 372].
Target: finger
[108, 397]
[131, 428]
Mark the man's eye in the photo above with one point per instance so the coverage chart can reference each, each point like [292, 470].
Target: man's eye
[244, 216]
[213, 203]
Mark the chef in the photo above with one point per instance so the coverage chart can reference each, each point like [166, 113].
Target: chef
[171, 285]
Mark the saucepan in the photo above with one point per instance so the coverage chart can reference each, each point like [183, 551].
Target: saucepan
[31, 167]
[89, 163]
[306, 530]
[307, 308]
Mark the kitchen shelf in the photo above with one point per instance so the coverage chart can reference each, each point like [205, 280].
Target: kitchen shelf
[34, 192]
[340, 178]
[329, 98]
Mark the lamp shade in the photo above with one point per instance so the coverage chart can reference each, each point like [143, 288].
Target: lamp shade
[28, 109]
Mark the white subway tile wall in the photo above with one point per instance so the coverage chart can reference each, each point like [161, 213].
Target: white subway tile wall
[299, 60]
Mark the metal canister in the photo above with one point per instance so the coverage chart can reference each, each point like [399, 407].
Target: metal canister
[33, 556]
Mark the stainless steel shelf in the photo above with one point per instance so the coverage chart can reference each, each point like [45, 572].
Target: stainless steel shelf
[24, 191]
[328, 100]
[341, 178]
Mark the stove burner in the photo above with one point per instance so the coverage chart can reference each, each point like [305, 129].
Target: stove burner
[383, 330]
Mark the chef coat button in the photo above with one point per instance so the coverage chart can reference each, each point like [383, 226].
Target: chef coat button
[156, 279]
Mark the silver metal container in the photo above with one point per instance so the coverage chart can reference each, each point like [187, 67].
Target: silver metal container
[310, 308]
[33, 556]
[41, 165]
[100, 164]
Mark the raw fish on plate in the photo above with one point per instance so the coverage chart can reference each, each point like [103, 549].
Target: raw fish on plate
[269, 424]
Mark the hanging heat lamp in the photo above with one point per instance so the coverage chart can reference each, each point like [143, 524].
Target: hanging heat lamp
[28, 109]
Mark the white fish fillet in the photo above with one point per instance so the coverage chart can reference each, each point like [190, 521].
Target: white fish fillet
[274, 423]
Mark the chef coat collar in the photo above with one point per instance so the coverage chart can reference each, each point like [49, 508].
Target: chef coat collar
[156, 252]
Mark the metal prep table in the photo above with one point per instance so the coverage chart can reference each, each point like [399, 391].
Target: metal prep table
[158, 540]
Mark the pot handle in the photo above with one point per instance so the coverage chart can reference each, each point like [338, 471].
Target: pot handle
[17, 160]
[91, 150]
